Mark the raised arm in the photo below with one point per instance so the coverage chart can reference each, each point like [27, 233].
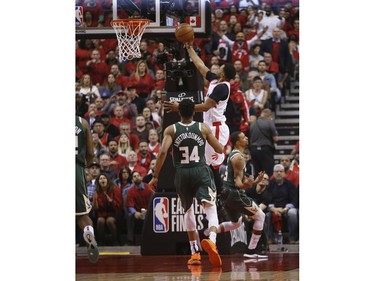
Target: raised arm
[202, 68]
[227, 40]
[257, 37]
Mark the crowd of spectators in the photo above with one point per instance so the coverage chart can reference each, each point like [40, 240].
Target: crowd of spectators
[122, 100]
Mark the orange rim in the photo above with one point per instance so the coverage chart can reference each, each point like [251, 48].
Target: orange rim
[131, 23]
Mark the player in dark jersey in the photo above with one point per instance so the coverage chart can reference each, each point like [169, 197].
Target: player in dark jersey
[84, 157]
[193, 177]
[236, 202]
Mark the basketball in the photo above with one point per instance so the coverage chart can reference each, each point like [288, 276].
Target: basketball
[184, 33]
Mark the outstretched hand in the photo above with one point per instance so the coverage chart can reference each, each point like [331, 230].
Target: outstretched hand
[260, 176]
[248, 181]
[188, 44]
[170, 106]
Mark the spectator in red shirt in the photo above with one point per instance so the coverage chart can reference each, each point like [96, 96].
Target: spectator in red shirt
[107, 203]
[272, 67]
[144, 155]
[121, 99]
[241, 48]
[234, 12]
[97, 69]
[117, 161]
[119, 117]
[142, 80]
[134, 166]
[137, 200]
[84, 49]
[153, 142]
[159, 80]
[249, 31]
[121, 79]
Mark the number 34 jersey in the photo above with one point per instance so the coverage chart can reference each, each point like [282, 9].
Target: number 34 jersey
[188, 145]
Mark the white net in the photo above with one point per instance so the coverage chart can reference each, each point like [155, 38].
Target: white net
[129, 33]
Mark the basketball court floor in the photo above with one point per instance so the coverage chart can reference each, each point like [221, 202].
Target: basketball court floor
[126, 263]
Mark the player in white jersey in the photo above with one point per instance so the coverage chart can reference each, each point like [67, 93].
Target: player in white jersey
[213, 107]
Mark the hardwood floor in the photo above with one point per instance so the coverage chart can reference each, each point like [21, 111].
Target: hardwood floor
[126, 263]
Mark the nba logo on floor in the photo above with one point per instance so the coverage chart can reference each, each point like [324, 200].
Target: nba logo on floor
[161, 215]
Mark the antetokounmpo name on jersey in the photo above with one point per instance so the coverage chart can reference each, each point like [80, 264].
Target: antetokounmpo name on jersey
[189, 135]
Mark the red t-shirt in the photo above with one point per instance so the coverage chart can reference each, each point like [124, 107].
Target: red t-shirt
[139, 198]
[144, 85]
[106, 209]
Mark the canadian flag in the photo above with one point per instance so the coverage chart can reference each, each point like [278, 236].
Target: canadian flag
[194, 20]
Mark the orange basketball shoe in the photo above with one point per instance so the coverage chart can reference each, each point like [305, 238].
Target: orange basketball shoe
[212, 252]
[195, 259]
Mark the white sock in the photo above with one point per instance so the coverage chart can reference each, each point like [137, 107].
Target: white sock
[194, 247]
[88, 228]
[254, 241]
[212, 236]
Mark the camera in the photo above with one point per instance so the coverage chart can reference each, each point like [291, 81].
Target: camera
[167, 55]
[177, 69]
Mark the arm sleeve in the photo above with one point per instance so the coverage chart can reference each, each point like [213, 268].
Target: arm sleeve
[220, 92]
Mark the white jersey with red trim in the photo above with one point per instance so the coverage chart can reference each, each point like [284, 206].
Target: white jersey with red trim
[216, 114]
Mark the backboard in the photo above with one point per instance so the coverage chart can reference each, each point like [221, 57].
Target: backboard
[164, 15]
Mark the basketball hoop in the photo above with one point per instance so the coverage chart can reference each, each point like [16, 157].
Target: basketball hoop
[129, 33]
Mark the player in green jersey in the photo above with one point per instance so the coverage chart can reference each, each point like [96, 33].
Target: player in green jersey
[193, 177]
